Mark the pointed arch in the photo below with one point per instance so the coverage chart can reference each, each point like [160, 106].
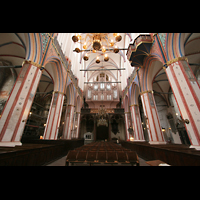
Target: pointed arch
[71, 94]
[175, 45]
[126, 104]
[54, 67]
[151, 66]
[111, 63]
[134, 94]
[78, 104]
[34, 47]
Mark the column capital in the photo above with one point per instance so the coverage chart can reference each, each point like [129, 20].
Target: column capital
[148, 91]
[175, 60]
[134, 105]
[71, 105]
[58, 92]
[33, 63]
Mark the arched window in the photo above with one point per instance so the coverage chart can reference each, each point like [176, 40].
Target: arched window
[102, 85]
[109, 97]
[95, 86]
[89, 94]
[115, 94]
[107, 78]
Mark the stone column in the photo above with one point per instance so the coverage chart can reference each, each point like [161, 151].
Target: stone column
[127, 125]
[136, 123]
[54, 116]
[95, 125]
[78, 124]
[187, 94]
[18, 105]
[152, 119]
[109, 127]
[68, 122]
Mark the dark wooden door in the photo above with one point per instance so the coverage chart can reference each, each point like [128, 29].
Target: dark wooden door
[184, 136]
[102, 133]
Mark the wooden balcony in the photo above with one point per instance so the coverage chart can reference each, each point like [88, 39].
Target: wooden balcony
[139, 50]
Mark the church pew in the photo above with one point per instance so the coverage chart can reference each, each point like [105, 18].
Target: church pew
[112, 157]
[72, 155]
[122, 157]
[101, 153]
[178, 157]
[101, 156]
[133, 157]
[82, 155]
[91, 156]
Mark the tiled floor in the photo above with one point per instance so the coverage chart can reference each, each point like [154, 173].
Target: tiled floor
[61, 162]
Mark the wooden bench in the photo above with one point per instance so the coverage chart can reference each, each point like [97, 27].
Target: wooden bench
[173, 154]
[103, 154]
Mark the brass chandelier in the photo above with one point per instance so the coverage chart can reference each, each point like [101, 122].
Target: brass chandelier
[93, 42]
[102, 115]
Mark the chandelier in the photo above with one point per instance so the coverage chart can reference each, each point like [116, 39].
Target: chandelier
[102, 115]
[93, 42]
[102, 122]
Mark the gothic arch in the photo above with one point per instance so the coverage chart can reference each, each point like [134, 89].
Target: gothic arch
[152, 66]
[34, 47]
[174, 45]
[126, 104]
[78, 104]
[134, 94]
[54, 69]
[110, 63]
[71, 94]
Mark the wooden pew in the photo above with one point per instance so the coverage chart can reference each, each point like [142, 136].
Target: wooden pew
[173, 154]
[102, 153]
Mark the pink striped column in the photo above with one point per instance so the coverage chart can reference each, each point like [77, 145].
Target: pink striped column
[68, 122]
[18, 105]
[53, 119]
[136, 123]
[152, 120]
[127, 125]
[187, 94]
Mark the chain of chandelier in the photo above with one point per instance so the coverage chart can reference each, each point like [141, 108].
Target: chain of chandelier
[93, 42]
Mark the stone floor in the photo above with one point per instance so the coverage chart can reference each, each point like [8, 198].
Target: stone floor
[61, 162]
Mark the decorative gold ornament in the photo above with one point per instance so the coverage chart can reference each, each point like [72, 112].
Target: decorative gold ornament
[77, 50]
[86, 57]
[118, 38]
[102, 113]
[93, 42]
[75, 38]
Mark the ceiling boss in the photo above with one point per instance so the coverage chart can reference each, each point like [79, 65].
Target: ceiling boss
[94, 42]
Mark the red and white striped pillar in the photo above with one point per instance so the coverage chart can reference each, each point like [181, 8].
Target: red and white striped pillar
[54, 116]
[186, 91]
[69, 116]
[152, 119]
[136, 123]
[127, 124]
[18, 105]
